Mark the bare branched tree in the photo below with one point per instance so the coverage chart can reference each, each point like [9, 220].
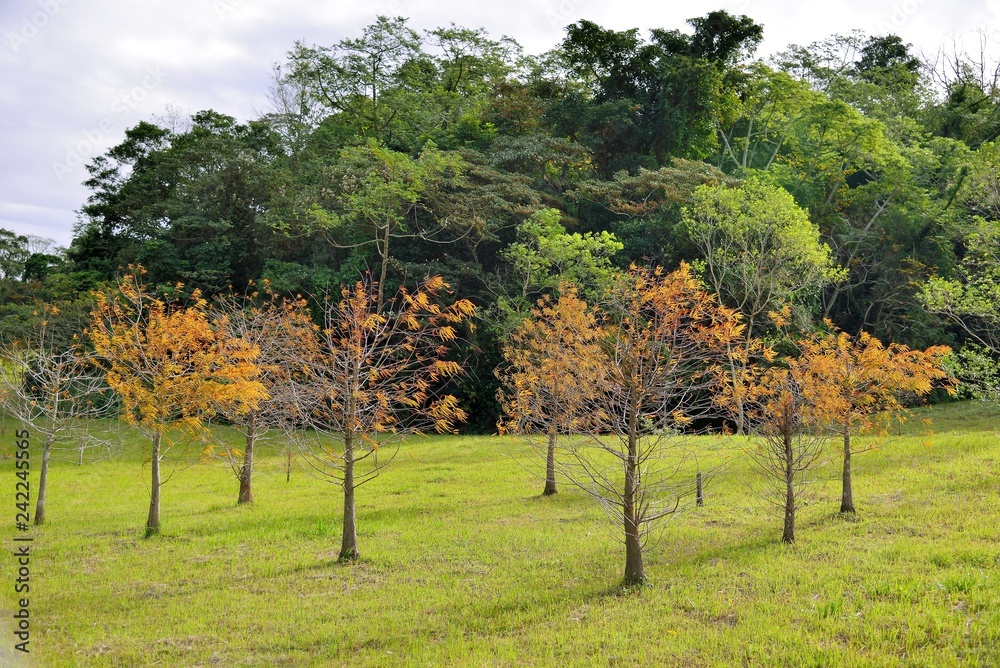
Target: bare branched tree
[961, 65]
[283, 332]
[48, 381]
[790, 434]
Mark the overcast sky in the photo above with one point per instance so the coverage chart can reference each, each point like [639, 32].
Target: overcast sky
[77, 73]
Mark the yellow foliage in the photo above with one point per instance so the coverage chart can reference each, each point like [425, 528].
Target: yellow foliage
[167, 363]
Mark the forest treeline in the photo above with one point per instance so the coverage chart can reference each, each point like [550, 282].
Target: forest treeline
[848, 180]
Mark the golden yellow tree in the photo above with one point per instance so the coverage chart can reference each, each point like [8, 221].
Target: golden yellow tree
[869, 378]
[378, 371]
[553, 365]
[170, 366]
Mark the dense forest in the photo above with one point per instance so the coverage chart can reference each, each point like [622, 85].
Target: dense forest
[847, 181]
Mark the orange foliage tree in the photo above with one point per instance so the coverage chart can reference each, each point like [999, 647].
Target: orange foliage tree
[664, 344]
[377, 371]
[868, 379]
[787, 408]
[170, 367]
[282, 331]
[553, 361]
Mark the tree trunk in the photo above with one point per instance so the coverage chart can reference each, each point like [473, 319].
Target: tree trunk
[288, 465]
[385, 266]
[634, 573]
[349, 543]
[153, 521]
[246, 473]
[789, 534]
[847, 497]
[42, 486]
[735, 376]
[550, 466]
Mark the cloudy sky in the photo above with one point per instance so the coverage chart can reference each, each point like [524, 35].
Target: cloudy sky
[77, 73]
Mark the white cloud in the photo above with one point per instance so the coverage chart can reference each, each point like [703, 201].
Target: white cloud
[73, 67]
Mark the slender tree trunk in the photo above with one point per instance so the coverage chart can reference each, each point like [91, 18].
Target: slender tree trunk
[847, 497]
[42, 486]
[246, 473]
[789, 534]
[288, 465]
[385, 266]
[738, 381]
[740, 408]
[634, 572]
[153, 521]
[349, 544]
[550, 466]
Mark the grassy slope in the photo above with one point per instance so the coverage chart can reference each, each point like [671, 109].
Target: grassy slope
[463, 564]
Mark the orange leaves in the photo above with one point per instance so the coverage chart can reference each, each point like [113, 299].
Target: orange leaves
[853, 384]
[379, 368]
[168, 363]
[865, 379]
[652, 348]
[554, 359]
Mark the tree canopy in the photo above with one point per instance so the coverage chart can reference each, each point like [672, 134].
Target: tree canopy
[847, 177]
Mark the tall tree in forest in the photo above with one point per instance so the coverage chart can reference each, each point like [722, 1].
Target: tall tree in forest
[380, 198]
[13, 254]
[759, 252]
[187, 202]
[647, 101]
[545, 255]
[378, 371]
[170, 367]
[358, 80]
[759, 249]
[553, 363]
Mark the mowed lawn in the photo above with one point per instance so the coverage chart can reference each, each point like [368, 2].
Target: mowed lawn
[464, 564]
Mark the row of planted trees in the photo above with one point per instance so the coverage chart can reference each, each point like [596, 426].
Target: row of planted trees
[168, 368]
[621, 390]
[613, 392]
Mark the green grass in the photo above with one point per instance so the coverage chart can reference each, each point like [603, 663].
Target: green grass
[464, 564]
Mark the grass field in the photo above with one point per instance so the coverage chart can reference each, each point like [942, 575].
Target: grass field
[464, 564]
